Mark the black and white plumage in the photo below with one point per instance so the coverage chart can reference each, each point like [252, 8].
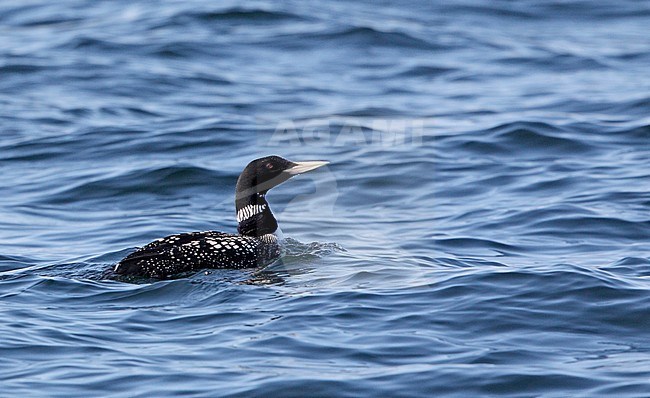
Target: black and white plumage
[256, 244]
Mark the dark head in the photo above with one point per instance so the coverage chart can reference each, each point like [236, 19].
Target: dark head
[253, 213]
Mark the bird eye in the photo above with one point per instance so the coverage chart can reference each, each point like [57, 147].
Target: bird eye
[269, 166]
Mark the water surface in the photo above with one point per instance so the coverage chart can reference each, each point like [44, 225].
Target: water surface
[496, 244]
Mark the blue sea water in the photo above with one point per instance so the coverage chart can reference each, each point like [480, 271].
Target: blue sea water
[483, 228]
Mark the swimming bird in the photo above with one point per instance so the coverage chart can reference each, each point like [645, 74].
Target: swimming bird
[255, 245]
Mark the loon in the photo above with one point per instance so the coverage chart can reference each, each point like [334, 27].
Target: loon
[256, 244]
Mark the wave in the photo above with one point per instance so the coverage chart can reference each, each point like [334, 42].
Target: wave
[555, 62]
[541, 10]
[636, 106]
[424, 71]
[522, 139]
[159, 181]
[606, 228]
[357, 36]
[236, 14]
[467, 245]
[21, 68]
[171, 49]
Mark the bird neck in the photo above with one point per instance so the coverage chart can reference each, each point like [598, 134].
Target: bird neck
[254, 215]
